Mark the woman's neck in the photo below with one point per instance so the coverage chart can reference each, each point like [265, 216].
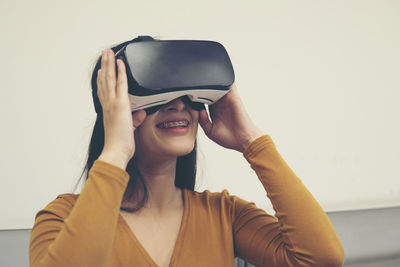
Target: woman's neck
[159, 177]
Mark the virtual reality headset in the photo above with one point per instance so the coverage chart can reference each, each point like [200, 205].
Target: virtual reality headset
[159, 71]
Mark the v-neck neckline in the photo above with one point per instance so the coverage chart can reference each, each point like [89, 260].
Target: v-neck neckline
[179, 239]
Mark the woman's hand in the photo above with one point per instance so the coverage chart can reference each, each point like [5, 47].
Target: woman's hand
[231, 126]
[119, 123]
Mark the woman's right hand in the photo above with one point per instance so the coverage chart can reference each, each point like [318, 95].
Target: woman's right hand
[119, 122]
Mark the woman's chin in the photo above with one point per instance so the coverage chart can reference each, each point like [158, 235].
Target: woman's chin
[179, 149]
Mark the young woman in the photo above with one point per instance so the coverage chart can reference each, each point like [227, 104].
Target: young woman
[138, 207]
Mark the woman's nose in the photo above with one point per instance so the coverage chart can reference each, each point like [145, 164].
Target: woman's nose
[177, 104]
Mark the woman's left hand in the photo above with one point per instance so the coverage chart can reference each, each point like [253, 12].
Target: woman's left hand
[230, 125]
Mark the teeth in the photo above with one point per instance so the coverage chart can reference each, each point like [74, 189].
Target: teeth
[172, 124]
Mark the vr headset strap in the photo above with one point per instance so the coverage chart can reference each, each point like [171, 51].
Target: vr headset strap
[143, 38]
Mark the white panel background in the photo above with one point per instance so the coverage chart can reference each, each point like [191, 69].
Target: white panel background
[321, 77]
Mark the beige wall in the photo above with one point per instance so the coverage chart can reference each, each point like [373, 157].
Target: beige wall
[321, 77]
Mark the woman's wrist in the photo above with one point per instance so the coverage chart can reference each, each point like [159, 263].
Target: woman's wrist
[251, 137]
[117, 159]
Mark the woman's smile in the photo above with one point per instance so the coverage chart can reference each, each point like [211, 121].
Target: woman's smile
[174, 126]
[173, 123]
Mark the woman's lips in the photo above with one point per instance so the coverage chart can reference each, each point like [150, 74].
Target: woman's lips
[174, 127]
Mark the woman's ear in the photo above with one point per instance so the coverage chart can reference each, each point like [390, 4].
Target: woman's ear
[138, 117]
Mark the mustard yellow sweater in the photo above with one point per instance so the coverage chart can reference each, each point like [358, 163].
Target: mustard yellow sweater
[88, 230]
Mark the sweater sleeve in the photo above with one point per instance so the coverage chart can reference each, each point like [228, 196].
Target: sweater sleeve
[301, 234]
[81, 234]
